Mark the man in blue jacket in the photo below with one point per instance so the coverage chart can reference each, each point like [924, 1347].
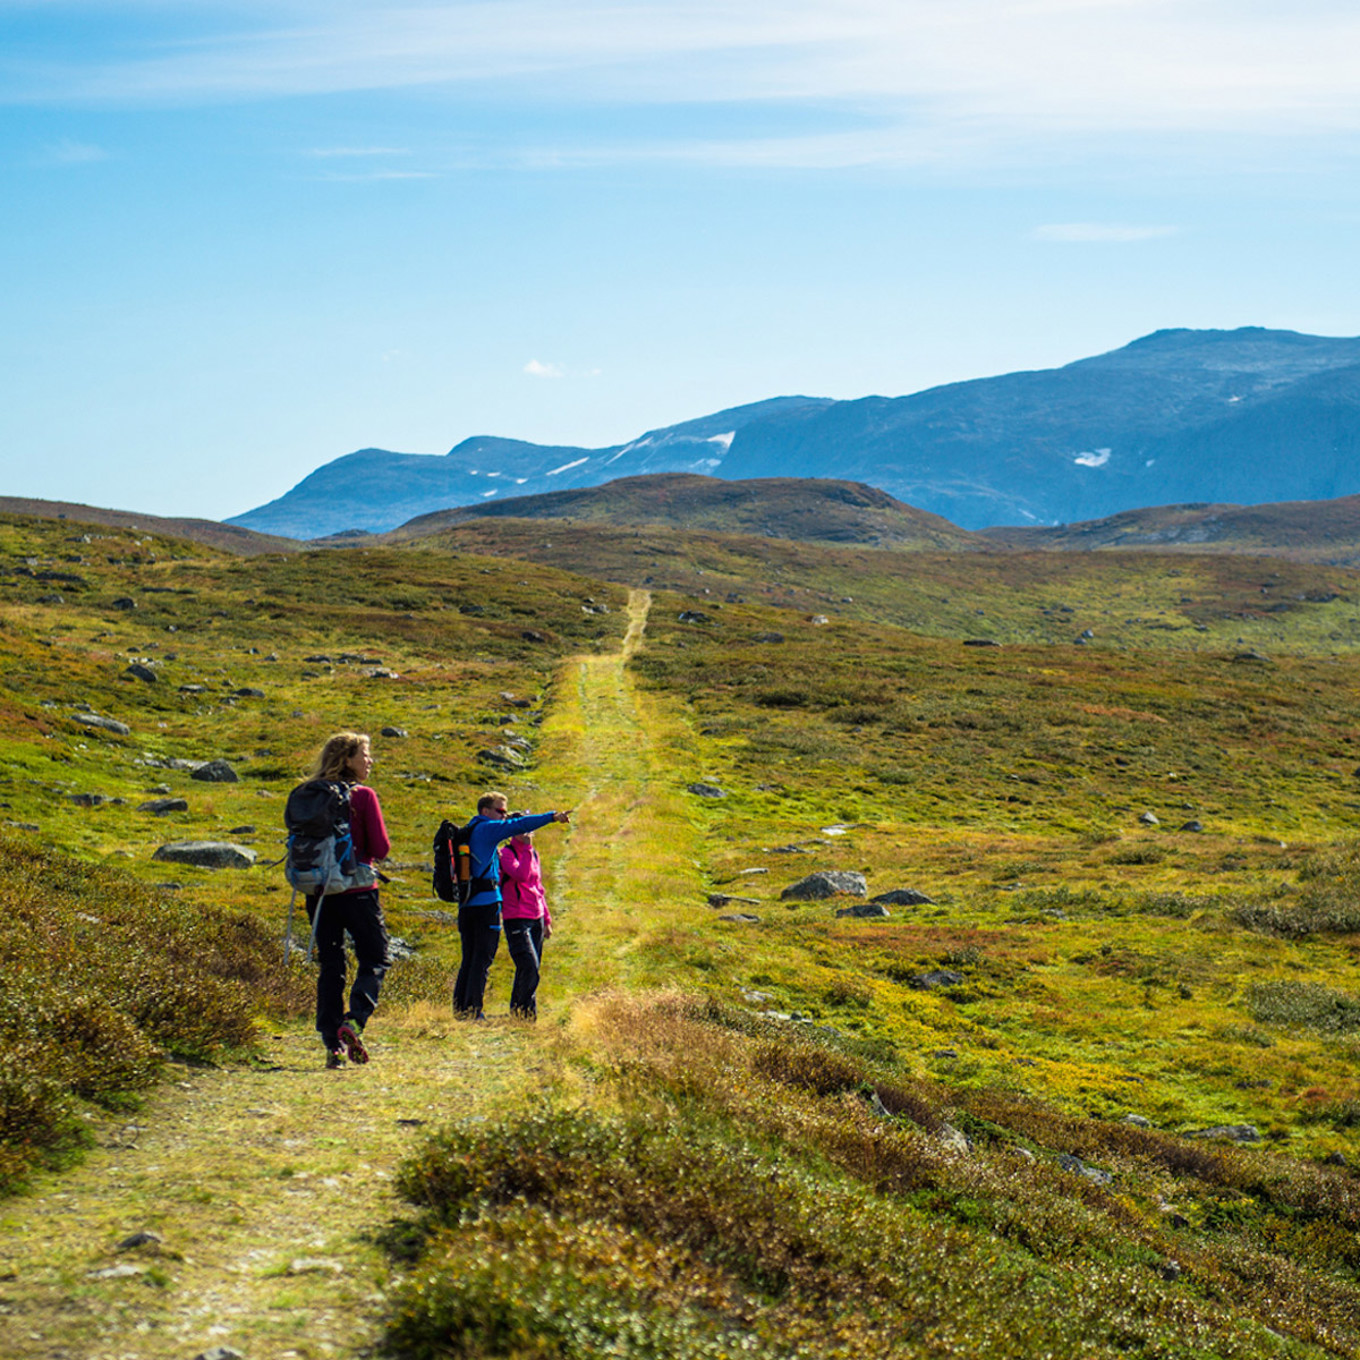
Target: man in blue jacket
[479, 917]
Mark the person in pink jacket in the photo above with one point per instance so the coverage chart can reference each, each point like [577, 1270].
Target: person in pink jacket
[526, 920]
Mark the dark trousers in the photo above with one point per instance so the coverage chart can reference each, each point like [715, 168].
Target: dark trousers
[524, 940]
[479, 929]
[360, 914]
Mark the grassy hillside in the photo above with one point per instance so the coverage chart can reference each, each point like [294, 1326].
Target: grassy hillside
[1325, 531]
[805, 508]
[1010, 1118]
[1128, 600]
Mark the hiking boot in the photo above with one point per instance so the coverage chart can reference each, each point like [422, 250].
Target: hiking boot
[348, 1034]
[335, 1057]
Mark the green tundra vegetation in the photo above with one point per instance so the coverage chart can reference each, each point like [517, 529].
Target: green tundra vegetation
[1087, 1089]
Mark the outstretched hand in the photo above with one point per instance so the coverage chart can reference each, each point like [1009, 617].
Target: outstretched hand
[561, 816]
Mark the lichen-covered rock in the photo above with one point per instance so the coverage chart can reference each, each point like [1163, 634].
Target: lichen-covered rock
[865, 909]
[215, 772]
[826, 883]
[903, 897]
[207, 854]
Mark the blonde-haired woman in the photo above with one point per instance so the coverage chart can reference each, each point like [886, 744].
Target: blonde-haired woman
[346, 759]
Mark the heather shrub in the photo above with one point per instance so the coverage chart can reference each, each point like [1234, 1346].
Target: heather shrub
[104, 978]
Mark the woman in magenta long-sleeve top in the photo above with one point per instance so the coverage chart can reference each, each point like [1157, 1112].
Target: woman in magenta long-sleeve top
[346, 759]
[526, 920]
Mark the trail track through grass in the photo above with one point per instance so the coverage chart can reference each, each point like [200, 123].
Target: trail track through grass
[266, 1183]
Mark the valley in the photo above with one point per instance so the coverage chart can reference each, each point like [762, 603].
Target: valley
[1083, 1084]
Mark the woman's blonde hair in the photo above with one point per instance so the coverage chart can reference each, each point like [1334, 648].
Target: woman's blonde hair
[336, 754]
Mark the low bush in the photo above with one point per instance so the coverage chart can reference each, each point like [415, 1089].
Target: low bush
[104, 978]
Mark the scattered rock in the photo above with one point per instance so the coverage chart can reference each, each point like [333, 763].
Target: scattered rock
[250, 693]
[1079, 1168]
[241, 830]
[141, 1239]
[394, 732]
[904, 897]
[981, 642]
[940, 977]
[706, 791]
[161, 806]
[1169, 1269]
[88, 799]
[825, 883]
[819, 619]
[219, 1353]
[502, 757]
[1228, 1133]
[1335, 1159]
[739, 917]
[126, 1271]
[529, 635]
[215, 772]
[1252, 656]
[23, 826]
[718, 900]
[1138, 1121]
[954, 1139]
[865, 909]
[1192, 826]
[136, 671]
[769, 637]
[103, 724]
[315, 1265]
[123, 602]
[317, 660]
[207, 854]
[1150, 819]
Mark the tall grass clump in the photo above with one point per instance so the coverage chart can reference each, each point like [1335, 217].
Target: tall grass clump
[105, 978]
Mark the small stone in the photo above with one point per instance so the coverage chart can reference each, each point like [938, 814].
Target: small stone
[739, 917]
[124, 602]
[246, 830]
[250, 693]
[136, 671]
[1138, 1121]
[1228, 1133]
[1079, 1168]
[864, 909]
[981, 642]
[103, 724]
[315, 1265]
[394, 732]
[219, 1353]
[691, 616]
[141, 1239]
[1149, 819]
[769, 637]
[1192, 826]
[88, 799]
[706, 791]
[161, 806]
[529, 635]
[126, 1271]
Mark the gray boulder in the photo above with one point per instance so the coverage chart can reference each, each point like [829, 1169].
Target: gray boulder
[865, 909]
[502, 758]
[160, 806]
[207, 854]
[136, 671]
[215, 772]
[941, 977]
[1150, 819]
[740, 918]
[103, 724]
[904, 897]
[826, 883]
[1228, 1133]
[706, 791]
[394, 732]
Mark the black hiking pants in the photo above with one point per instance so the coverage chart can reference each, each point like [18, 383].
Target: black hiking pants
[360, 914]
[480, 931]
[524, 940]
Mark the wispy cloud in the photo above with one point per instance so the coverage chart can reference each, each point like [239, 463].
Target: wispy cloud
[1101, 233]
[930, 76]
[66, 152]
[535, 369]
[331, 151]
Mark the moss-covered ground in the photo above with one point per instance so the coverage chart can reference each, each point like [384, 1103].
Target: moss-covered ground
[774, 1136]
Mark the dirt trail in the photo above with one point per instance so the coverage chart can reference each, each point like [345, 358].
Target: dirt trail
[264, 1182]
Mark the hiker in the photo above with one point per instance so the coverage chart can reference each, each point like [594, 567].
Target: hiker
[526, 919]
[479, 918]
[346, 759]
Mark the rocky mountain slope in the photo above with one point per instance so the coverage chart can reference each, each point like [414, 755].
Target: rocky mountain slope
[1247, 415]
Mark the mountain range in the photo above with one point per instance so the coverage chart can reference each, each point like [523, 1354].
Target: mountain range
[1246, 416]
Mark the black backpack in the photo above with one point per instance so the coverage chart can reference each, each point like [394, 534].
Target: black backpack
[453, 877]
[320, 858]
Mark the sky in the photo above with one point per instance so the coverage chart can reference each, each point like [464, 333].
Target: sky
[238, 240]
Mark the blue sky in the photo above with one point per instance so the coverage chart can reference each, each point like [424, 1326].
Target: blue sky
[239, 240]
